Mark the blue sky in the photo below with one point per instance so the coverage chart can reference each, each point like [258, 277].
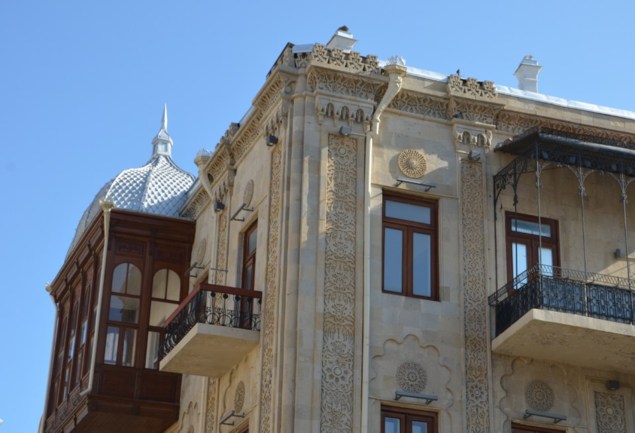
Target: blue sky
[83, 83]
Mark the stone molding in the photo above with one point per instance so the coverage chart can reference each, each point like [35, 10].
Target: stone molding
[471, 87]
[271, 294]
[338, 342]
[475, 297]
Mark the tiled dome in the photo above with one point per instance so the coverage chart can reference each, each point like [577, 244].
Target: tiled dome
[159, 187]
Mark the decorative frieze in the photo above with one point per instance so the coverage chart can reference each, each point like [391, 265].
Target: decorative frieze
[411, 377]
[412, 163]
[347, 112]
[424, 105]
[539, 396]
[475, 297]
[324, 80]
[338, 344]
[210, 411]
[352, 61]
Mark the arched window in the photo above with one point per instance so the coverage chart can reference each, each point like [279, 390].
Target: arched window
[166, 294]
[123, 315]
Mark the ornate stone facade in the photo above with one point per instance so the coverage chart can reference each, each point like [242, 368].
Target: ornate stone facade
[338, 345]
[611, 415]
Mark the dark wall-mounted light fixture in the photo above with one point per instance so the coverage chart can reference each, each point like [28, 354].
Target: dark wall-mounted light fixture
[271, 140]
[218, 206]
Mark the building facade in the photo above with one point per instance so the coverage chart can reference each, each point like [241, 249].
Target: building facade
[377, 248]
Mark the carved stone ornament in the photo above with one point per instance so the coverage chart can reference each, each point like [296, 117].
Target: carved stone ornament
[539, 396]
[471, 87]
[200, 250]
[248, 192]
[610, 413]
[412, 163]
[239, 396]
[411, 377]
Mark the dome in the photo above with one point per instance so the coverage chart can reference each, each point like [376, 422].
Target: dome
[159, 187]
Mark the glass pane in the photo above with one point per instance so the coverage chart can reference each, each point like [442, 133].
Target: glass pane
[174, 286]
[249, 277]
[119, 278]
[421, 265]
[123, 309]
[134, 280]
[546, 259]
[159, 283]
[84, 331]
[159, 311]
[112, 341]
[393, 260]
[251, 241]
[419, 427]
[152, 353]
[406, 211]
[531, 228]
[519, 258]
[129, 344]
[391, 425]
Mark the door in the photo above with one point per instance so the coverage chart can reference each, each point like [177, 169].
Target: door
[531, 242]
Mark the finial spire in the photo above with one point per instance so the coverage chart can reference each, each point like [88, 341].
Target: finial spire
[164, 120]
[162, 143]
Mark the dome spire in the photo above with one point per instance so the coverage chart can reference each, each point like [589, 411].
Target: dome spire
[162, 142]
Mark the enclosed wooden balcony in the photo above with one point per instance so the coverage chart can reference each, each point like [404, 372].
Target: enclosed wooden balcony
[567, 316]
[211, 331]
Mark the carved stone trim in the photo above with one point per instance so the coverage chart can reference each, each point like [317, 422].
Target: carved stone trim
[414, 103]
[334, 82]
[471, 87]
[210, 412]
[475, 296]
[271, 293]
[239, 396]
[610, 412]
[411, 377]
[338, 349]
[539, 396]
[353, 61]
[471, 136]
[412, 163]
[220, 277]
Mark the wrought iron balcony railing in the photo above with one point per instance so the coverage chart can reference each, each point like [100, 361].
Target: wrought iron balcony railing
[213, 305]
[552, 288]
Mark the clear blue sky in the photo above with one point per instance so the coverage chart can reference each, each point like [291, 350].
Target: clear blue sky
[83, 83]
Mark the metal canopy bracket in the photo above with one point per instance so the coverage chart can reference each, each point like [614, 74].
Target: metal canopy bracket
[429, 398]
[427, 186]
[229, 415]
[554, 416]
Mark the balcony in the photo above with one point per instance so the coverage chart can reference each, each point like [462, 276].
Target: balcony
[212, 330]
[567, 316]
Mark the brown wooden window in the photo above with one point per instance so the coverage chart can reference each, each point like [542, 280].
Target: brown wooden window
[249, 257]
[410, 262]
[519, 428]
[166, 293]
[399, 420]
[530, 242]
[123, 316]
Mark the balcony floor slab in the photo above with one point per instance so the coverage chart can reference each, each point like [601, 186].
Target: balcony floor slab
[210, 350]
[570, 339]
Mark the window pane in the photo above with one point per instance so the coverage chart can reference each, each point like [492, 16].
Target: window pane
[406, 211]
[119, 278]
[531, 228]
[421, 265]
[134, 280]
[129, 345]
[391, 425]
[249, 277]
[393, 260]
[159, 283]
[419, 427]
[112, 341]
[546, 259]
[519, 258]
[159, 311]
[174, 286]
[124, 309]
[152, 352]
[251, 241]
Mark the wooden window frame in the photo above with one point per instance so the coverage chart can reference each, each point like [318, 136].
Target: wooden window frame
[407, 416]
[523, 428]
[161, 329]
[532, 241]
[409, 228]
[249, 258]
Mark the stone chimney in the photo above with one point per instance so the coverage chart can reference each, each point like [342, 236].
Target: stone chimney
[343, 40]
[527, 74]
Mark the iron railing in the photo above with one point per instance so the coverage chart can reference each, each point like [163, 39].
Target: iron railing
[213, 305]
[552, 288]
